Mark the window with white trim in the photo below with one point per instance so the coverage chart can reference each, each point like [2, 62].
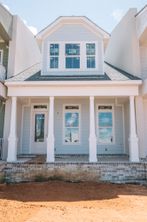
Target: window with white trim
[90, 55]
[105, 124]
[54, 56]
[1, 56]
[72, 56]
[71, 124]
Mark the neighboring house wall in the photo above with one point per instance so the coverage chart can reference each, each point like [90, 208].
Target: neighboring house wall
[123, 47]
[145, 127]
[143, 61]
[2, 111]
[4, 48]
[23, 49]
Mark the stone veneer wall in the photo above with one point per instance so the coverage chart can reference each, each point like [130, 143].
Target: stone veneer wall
[110, 172]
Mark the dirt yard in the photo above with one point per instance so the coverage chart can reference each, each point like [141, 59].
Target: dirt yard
[58, 201]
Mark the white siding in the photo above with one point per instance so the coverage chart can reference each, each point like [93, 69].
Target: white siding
[143, 61]
[26, 130]
[72, 32]
[118, 146]
[60, 148]
[83, 147]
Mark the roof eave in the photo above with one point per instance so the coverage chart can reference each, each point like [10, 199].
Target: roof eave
[83, 83]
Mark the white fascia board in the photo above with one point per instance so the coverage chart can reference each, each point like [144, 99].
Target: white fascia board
[69, 20]
[72, 90]
[144, 87]
[73, 83]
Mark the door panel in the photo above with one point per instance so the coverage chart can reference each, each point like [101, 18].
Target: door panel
[39, 132]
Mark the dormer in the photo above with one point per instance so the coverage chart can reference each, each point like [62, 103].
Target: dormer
[72, 46]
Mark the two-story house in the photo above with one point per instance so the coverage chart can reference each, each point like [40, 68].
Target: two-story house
[18, 51]
[129, 44]
[5, 36]
[73, 103]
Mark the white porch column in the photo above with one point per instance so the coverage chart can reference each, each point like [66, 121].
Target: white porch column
[133, 139]
[92, 135]
[12, 139]
[50, 137]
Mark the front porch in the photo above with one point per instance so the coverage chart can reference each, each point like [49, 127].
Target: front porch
[76, 118]
[41, 159]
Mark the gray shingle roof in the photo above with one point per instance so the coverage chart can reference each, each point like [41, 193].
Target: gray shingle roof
[111, 73]
[39, 77]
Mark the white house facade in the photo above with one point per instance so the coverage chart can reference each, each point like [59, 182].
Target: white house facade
[72, 103]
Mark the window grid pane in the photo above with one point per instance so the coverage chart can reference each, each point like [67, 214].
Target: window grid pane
[54, 62]
[39, 127]
[91, 62]
[105, 127]
[72, 62]
[90, 49]
[72, 49]
[71, 124]
[54, 49]
[90, 52]
[54, 56]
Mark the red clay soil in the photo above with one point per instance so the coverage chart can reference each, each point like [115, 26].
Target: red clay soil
[58, 201]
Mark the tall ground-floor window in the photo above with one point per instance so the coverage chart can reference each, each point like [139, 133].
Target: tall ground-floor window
[105, 124]
[71, 124]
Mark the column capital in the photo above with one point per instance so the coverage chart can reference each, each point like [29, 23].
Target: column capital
[51, 98]
[91, 97]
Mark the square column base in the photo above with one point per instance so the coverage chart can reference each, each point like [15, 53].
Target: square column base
[12, 149]
[133, 149]
[50, 150]
[92, 149]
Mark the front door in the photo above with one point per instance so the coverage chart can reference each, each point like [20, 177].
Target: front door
[39, 132]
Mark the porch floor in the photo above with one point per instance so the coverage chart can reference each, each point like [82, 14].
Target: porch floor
[72, 158]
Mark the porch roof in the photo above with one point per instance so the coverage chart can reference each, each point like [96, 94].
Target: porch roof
[33, 74]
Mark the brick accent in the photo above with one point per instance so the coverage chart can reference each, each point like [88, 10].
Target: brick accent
[99, 172]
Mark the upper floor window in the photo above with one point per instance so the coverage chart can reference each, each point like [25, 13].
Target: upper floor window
[1, 56]
[90, 55]
[72, 56]
[54, 56]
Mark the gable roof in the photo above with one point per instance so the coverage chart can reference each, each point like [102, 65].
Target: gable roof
[67, 20]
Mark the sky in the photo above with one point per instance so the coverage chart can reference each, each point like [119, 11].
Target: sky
[37, 14]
